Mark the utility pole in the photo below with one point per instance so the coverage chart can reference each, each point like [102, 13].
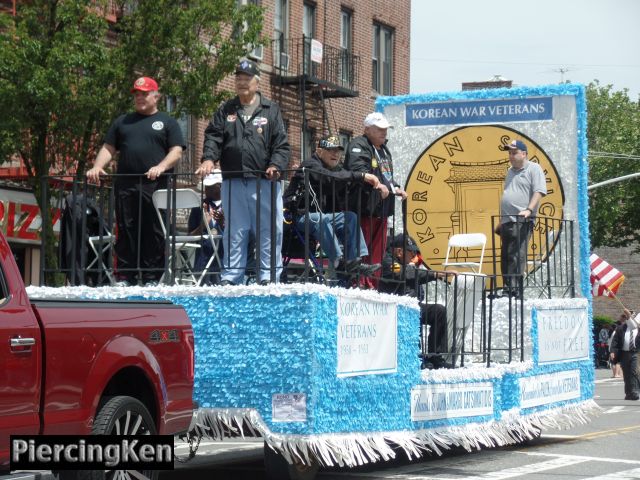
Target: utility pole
[561, 71]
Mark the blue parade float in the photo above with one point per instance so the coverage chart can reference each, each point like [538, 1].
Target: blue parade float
[332, 376]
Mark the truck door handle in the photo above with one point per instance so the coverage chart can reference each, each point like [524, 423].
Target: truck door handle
[22, 342]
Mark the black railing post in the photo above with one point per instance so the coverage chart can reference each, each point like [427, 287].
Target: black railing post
[258, 235]
[273, 242]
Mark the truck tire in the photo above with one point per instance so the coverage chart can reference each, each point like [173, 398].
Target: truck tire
[277, 468]
[112, 420]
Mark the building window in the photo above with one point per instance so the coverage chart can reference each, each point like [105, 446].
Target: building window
[281, 34]
[345, 138]
[346, 76]
[382, 60]
[257, 52]
[308, 143]
[309, 32]
[188, 163]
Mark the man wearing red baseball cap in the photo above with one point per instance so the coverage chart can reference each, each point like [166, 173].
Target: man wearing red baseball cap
[149, 143]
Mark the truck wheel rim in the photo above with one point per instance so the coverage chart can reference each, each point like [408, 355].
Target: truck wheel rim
[130, 423]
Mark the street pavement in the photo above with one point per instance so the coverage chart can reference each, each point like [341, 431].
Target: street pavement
[604, 449]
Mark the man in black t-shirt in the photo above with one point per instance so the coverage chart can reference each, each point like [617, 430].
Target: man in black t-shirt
[149, 143]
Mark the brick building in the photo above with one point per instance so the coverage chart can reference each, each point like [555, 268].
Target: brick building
[365, 53]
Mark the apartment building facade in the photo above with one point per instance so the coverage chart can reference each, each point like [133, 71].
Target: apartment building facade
[325, 63]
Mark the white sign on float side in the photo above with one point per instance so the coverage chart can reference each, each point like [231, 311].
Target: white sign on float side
[367, 337]
[549, 388]
[289, 407]
[563, 335]
[439, 401]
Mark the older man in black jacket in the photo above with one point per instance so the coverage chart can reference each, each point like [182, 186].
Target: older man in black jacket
[325, 194]
[369, 154]
[247, 140]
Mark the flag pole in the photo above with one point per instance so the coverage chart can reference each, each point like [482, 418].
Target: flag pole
[618, 300]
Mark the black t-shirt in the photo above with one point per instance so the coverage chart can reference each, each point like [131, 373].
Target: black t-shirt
[143, 140]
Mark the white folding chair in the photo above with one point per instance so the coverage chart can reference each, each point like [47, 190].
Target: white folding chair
[461, 243]
[185, 246]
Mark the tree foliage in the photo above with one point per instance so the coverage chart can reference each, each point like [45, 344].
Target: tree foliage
[66, 69]
[67, 66]
[613, 127]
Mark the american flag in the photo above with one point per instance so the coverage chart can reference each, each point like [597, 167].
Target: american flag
[605, 279]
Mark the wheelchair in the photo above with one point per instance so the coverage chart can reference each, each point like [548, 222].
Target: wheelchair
[295, 268]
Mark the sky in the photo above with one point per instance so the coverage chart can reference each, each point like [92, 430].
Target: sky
[531, 43]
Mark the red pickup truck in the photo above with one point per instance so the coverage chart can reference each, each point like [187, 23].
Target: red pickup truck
[90, 367]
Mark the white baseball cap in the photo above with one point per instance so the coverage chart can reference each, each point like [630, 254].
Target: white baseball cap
[376, 119]
[212, 178]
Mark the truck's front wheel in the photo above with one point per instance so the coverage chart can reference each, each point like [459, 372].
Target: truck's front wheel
[119, 415]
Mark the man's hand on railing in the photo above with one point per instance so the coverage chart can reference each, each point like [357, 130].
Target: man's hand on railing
[399, 192]
[272, 172]
[384, 191]
[93, 175]
[206, 167]
[155, 172]
[371, 180]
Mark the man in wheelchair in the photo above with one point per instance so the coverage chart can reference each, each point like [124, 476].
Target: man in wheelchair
[317, 196]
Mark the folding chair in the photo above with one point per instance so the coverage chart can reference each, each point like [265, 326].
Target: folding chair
[215, 239]
[184, 246]
[461, 243]
[101, 246]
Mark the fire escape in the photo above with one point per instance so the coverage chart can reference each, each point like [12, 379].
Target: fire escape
[306, 74]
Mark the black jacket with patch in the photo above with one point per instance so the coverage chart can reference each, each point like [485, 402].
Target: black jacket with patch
[246, 149]
[361, 157]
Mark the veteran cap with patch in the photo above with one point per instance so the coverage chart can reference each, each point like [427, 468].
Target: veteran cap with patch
[145, 84]
[330, 143]
[248, 67]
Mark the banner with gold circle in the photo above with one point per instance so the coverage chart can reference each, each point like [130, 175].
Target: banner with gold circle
[446, 151]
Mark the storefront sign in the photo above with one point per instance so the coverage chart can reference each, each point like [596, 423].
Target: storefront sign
[367, 337]
[20, 219]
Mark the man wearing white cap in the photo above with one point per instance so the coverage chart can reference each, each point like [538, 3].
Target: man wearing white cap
[368, 153]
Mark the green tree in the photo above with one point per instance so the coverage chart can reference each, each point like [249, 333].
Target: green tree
[613, 126]
[66, 69]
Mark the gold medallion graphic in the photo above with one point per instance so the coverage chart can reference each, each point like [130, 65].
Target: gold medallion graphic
[455, 187]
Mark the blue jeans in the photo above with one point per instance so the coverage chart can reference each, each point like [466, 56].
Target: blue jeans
[240, 206]
[337, 228]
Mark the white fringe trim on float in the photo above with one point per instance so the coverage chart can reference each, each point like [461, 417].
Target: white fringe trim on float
[355, 449]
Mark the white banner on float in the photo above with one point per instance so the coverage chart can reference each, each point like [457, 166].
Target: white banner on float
[434, 402]
[367, 337]
[563, 335]
[549, 388]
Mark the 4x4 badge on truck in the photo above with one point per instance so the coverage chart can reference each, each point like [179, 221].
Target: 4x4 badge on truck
[164, 336]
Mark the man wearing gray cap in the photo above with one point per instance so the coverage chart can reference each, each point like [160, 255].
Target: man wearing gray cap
[247, 140]
[368, 153]
[524, 187]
